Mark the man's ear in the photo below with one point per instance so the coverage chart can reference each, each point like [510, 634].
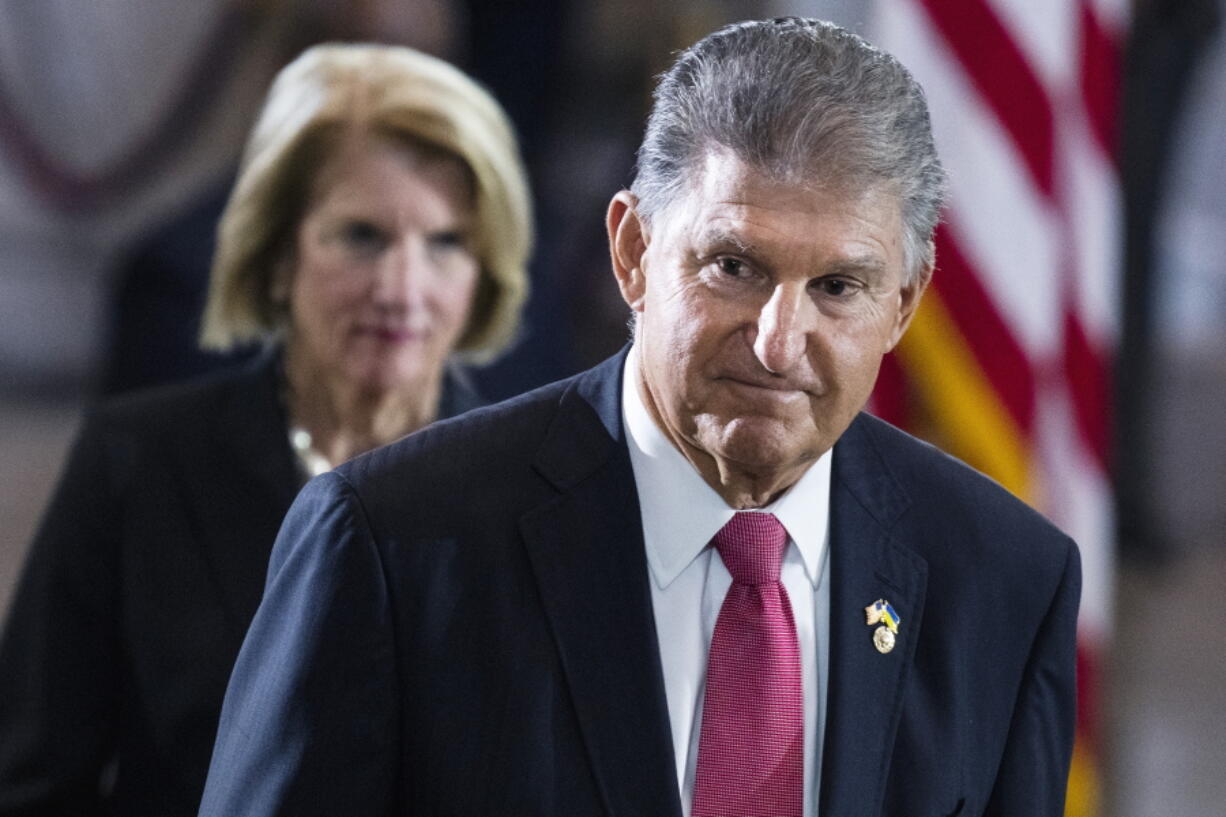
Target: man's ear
[909, 300]
[627, 244]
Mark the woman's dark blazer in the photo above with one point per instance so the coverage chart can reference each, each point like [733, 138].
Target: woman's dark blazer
[138, 589]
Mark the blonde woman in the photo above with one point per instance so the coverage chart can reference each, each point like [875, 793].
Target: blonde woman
[377, 237]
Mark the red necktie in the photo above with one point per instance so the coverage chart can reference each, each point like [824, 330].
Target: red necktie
[751, 750]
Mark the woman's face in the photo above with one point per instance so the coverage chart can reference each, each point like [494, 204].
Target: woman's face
[383, 273]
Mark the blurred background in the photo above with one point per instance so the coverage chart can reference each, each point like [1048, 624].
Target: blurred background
[1072, 345]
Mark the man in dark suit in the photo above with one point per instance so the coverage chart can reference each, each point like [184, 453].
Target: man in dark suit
[695, 579]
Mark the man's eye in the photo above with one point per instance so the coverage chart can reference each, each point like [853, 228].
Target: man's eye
[836, 287]
[732, 266]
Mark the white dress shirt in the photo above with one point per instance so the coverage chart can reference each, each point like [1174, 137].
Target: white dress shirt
[681, 513]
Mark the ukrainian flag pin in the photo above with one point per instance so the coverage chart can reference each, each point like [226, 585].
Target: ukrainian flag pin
[882, 613]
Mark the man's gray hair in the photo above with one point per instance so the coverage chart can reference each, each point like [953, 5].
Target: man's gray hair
[805, 102]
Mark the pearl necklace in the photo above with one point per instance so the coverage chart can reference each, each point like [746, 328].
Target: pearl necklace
[313, 463]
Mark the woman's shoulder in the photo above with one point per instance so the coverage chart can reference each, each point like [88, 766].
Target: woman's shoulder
[195, 430]
[238, 388]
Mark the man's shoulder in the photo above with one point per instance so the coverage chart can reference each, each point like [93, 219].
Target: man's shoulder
[499, 454]
[509, 428]
[957, 509]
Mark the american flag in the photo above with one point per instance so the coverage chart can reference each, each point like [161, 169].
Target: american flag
[1007, 363]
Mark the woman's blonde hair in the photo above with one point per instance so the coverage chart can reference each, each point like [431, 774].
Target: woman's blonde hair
[334, 90]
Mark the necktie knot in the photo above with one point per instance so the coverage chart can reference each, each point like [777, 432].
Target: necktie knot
[751, 546]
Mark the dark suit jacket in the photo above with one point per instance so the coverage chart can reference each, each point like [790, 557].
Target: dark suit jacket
[461, 623]
[138, 589]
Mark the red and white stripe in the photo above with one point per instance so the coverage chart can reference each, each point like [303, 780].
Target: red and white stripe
[1025, 298]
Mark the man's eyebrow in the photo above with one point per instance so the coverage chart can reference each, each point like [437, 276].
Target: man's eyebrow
[717, 237]
[864, 265]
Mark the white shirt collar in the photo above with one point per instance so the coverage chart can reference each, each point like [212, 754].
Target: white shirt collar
[681, 513]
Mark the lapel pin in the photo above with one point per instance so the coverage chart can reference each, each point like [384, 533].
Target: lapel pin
[883, 614]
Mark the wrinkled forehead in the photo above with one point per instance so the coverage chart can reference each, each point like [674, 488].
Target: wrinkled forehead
[713, 165]
[720, 179]
[734, 209]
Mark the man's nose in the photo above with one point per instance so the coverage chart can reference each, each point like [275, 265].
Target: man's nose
[783, 327]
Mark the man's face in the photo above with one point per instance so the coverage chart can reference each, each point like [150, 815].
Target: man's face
[764, 311]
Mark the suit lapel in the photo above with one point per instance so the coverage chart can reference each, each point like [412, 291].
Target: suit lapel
[255, 432]
[586, 551]
[865, 686]
[252, 459]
